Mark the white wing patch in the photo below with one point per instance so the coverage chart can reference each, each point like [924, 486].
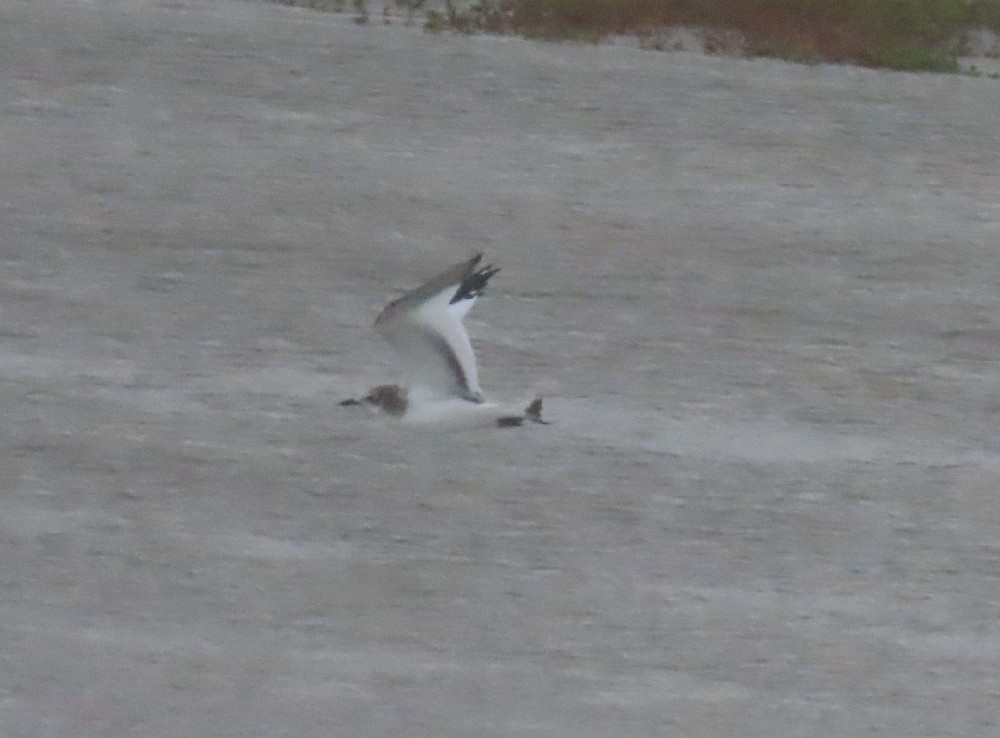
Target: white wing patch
[425, 328]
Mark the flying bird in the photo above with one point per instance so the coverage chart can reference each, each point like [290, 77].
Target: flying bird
[425, 329]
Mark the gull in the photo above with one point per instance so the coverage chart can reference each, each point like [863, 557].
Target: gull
[425, 329]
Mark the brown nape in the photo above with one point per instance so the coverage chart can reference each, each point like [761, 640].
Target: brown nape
[391, 398]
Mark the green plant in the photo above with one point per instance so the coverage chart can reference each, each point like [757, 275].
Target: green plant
[411, 7]
[435, 22]
[910, 57]
[361, 10]
[463, 21]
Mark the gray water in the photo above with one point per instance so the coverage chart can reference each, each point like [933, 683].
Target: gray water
[761, 301]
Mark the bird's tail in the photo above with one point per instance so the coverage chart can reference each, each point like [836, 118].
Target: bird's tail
[534, 412]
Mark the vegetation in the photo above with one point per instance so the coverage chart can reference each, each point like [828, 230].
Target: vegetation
[925, 35]
[360, 12]
[331, 6]
[899, 34]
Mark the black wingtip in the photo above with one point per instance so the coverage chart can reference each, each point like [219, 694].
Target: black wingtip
[474, 284]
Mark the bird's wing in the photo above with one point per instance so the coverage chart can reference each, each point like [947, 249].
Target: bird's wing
[425, 328]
